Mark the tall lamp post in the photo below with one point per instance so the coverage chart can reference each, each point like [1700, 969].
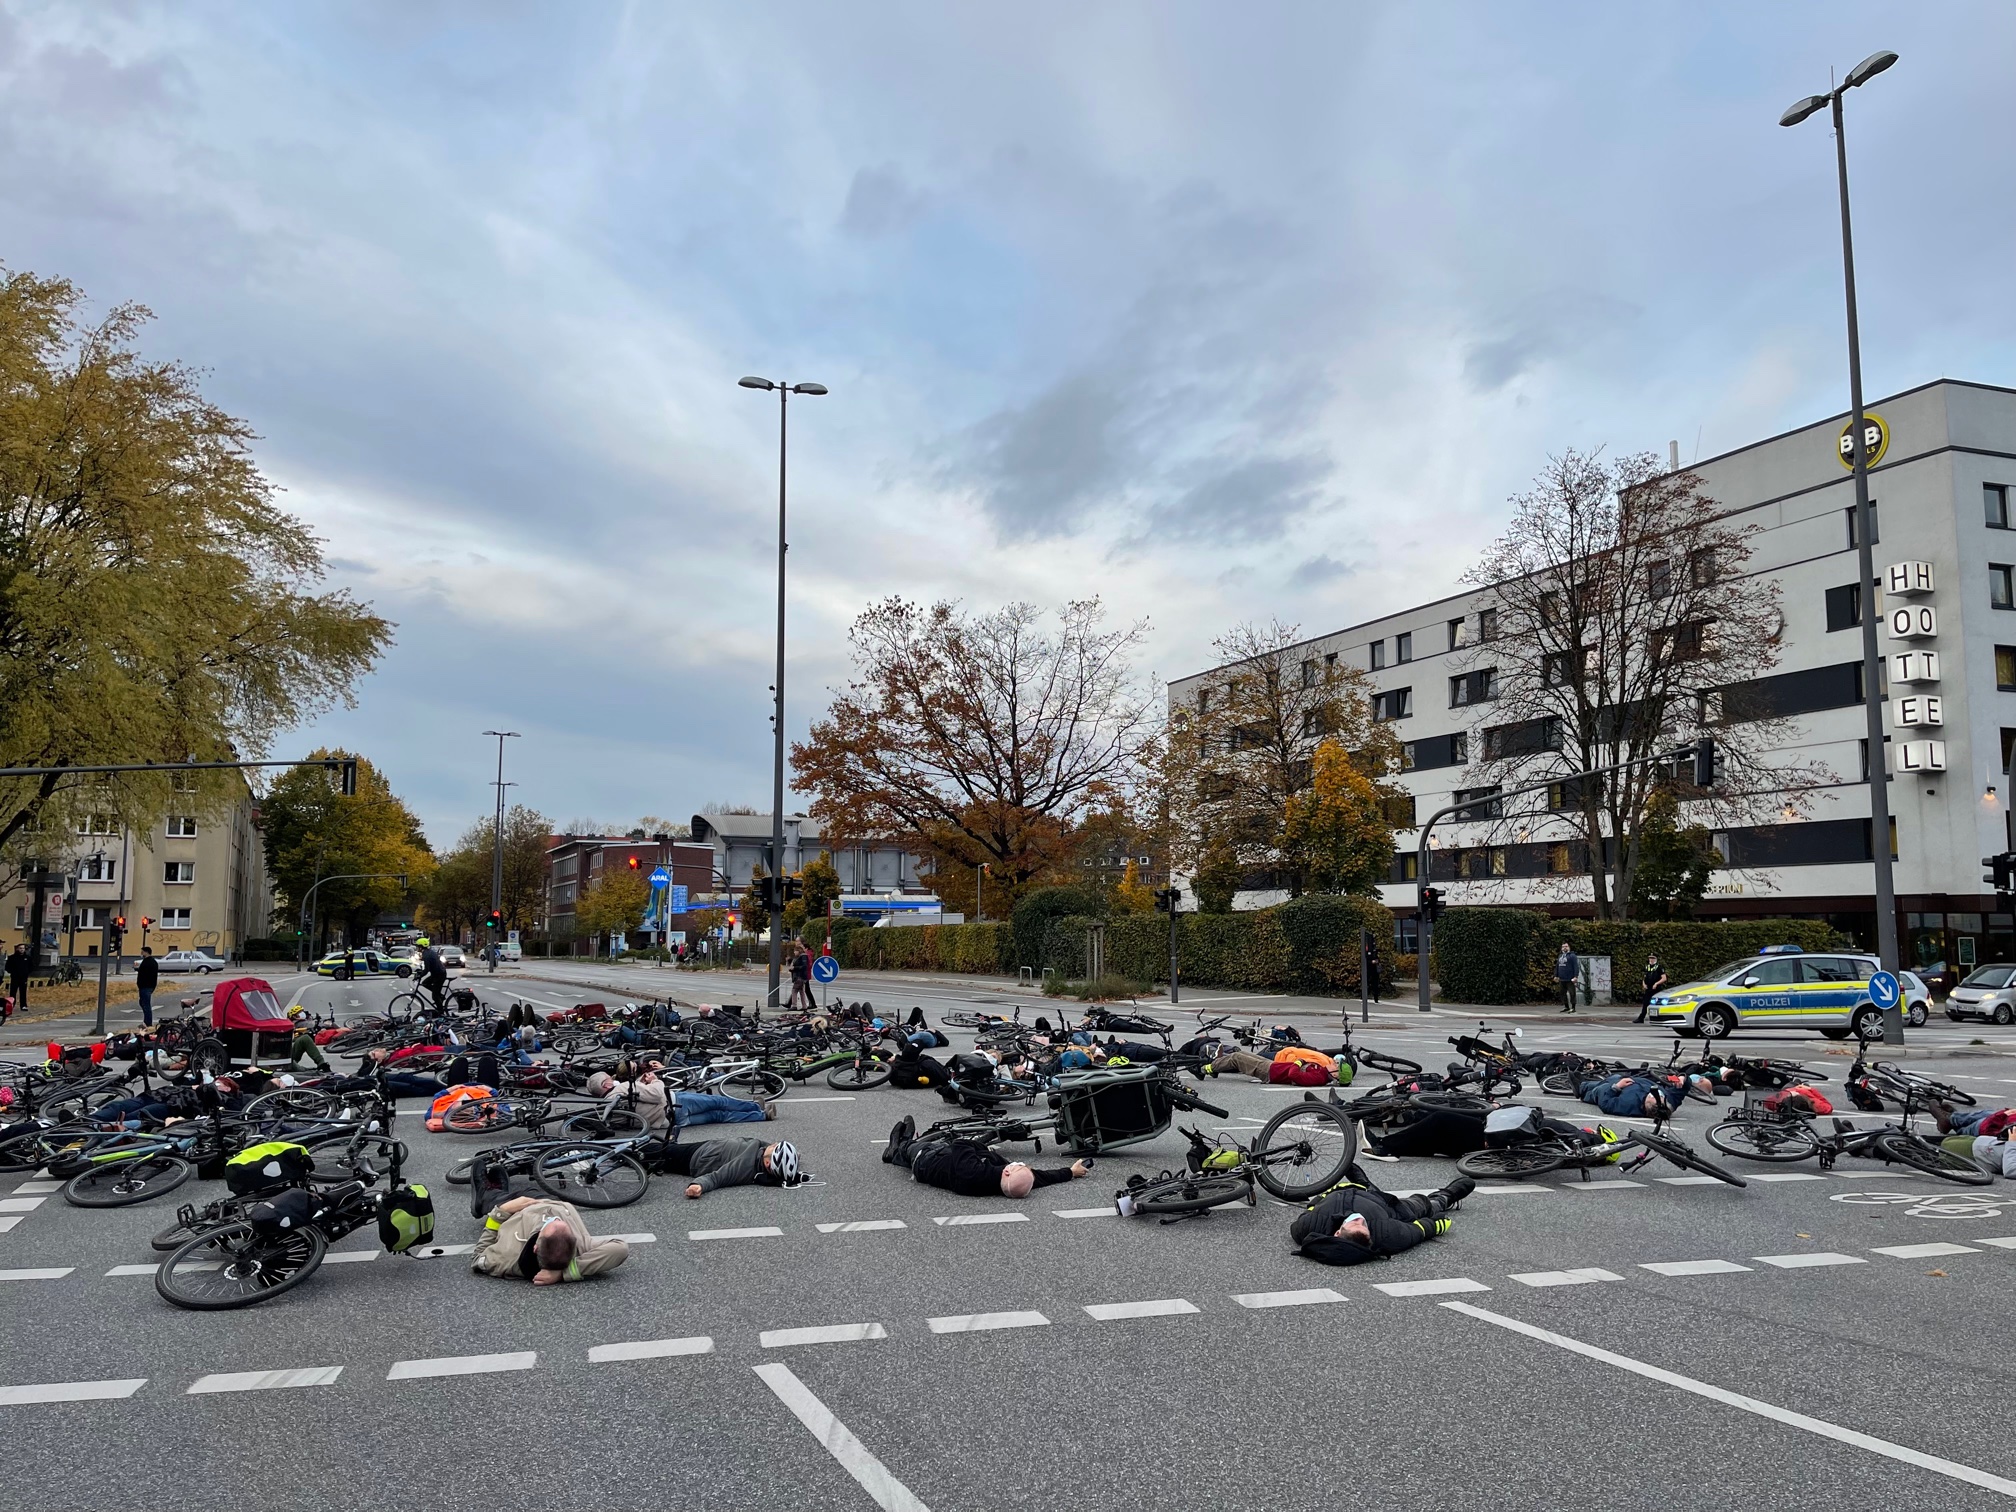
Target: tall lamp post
[497, 832]
[784, 391]
[1872, 690]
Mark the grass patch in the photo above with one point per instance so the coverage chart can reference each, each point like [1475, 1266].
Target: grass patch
[69, 998]
[1106, 989]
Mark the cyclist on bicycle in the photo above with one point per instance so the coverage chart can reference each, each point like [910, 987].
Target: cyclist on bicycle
[1355, 1222]
[970, 1167]
[433, 973]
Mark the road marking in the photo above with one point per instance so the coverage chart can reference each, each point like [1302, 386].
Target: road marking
[349, 1257]
[1998, 1243]
[832, 1333]
[1167, 1307]
[266, 1380]
[861, 1226]
[1566, 1277]
[49, 1273]
[28, 1187]
[887, 1492]
[741, 1233]
[148, 1270]
[962, 1219]
[68, 1391]
[985, 1322]
[436, 1251]
[1430, 1288]
[1614, 1184]
[1695, 1267]
[1819, 1257]
[7, 1225]
[633, 1238]
[460, 1365]
[1924, 1251]
[1310, 1297]
[1098, 1212]
[1813, 1425]
[1511, 1189]
[1689, 1180]
[21, 1204]
[649, 1349]
[1783, 1176]
[797, 1100]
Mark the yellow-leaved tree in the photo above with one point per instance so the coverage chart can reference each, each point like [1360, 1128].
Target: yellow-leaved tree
[613, 903]
[1335, 833]
[1130, 893]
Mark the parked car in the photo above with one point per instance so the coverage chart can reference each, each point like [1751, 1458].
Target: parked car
[184, 962]
[1988, 995]
[1781, 987]
[1917, 998]
[510, 952]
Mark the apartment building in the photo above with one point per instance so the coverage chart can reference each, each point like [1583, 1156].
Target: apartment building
[741, 843]
[1944, 485]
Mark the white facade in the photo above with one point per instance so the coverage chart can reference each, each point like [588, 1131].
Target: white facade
[1945, 494]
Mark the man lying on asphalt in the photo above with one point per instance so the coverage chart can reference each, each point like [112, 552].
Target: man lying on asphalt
[665, 1108]
[970, 1167]
[1986, 1132]
[1354, 1221]
[715, 1163]
[1636, 1096]
[543, 1241]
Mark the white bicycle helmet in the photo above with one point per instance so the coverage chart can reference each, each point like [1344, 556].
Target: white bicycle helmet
[784, 1160]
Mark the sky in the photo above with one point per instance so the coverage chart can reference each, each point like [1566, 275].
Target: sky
[1220, 314]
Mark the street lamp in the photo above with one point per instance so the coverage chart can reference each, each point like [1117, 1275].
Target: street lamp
[784, 391]
[1872, 691]
[497, 834]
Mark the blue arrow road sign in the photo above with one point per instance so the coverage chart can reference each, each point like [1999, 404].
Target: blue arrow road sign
[825, 969]
[1883, 990]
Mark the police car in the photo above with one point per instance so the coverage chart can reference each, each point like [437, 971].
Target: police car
[1781, 987]
[367, 963]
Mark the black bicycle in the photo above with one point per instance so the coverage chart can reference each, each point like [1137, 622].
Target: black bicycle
[1301, 1152]
[1550, 1149]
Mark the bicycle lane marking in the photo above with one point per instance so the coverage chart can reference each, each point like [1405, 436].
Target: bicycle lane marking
[1818, 1426]
[869, 1473]
[69, 1391]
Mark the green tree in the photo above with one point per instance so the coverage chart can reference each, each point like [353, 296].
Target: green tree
[1335, 835]
[1216, 879]
[613, 903]
[755, 915]
[1675, 861]
[313, 832]
[822, 885]
[155, 605]
[461, 889]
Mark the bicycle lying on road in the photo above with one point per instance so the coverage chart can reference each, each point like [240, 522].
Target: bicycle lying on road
[1549, 1146]
[1784, 1137]
[1301, 1152]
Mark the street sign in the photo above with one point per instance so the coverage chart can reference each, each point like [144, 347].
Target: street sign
[679, 897]
[825, 969]
[661, 877]
[1883, 990]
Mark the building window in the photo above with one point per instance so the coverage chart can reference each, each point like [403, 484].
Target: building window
[1476, 687]
[1409, 868]
[1995, 502]
[1688, 641]
[1558, 862]
[1378, 655]
[1659, 579]
[1479, 803]
[1844, 607]
[181, 827]
[174, 918]
[1487, 624]
[97, 869]
[20, 916]
[2005, 668]
[96, 824]
[1703, 568]
[1329, 661]
[178, 871]
[1395, 703]
[1875, 526]
[1309, 673]
[1559, 668]
[1550, 607]
[2001, 590]
[1455, 632]
[2008, 746]
[1203, 700]
[1403, 648]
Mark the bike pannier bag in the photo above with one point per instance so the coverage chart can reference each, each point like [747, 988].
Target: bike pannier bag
[405, 1218]
[284, 1211]
[1513, 1125]
[262, 1167]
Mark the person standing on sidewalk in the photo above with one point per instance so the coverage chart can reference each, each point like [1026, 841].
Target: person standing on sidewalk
[1655, 981]
[145, 975]
[18, 966]
[1375, 979]
[1567, 975]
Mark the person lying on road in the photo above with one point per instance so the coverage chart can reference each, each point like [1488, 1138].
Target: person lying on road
[1355, 1221]
[1635, 1096]
[970, 1167]
[665, 1109]
[543, 1241]
[715, 1163]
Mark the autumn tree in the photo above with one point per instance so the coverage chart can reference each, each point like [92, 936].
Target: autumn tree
[978, 738]
[613, 904]
[460, 890]
[755, 913]
[1337, 834]
[313, 833]
[1675, 861]
[1620, 623]
[155, 604]
[821, 879]
[1131, 894]
[1240, 757]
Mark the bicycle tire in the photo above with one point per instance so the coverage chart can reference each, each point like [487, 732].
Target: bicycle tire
[1326, 1145]
[336, 1159]
[1453, 1102]
[859, 1076]
[293, 1102]
[1561, 1084]
[590, 1175]
[234, 1266]
[1769, 1141]
[178, 1233]
[610, 1123]
[1921, 1154]
[753, 1086]
[1190, 1194]
[123, 1183]
[965, 1019]
[1392, 1065]
[1512, 1163]
[474, 1115]
[210, 1055]
[1680, 1155]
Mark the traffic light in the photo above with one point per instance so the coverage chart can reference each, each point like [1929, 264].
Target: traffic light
[1431, 903]
[2002, 873]
[734, 922]
[1166, 899]
[633, 863]
[145, 924]
[1704, 761]
[348, 777]
[494, 920]
[119, 923]
[794, 888]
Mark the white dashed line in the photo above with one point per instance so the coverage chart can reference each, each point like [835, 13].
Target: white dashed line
[1098, 1212]
[832, 1333]
[740, 1233]
[797, 1100]
[8, 1224]
[1802, 1262]
[460, 1365]
[1689, 1180]
[634, 1238]
[1998, 1243]
[961, 1220]
[986, 1322]
[649, 1349]
[1430, 1288]
[68, 1391]
[1924, 1251]
[1614, 1184]
[1508, 1190]
[1784, 1176]
[1694, 1267]
[1566, 1277]
[349, 1257]
[436, 1251]
[1310, 1297]
[266, 1380]
[1167, 1307]
[21, 1204]
[28, 1188]
[45, 1273]
[861, 1226]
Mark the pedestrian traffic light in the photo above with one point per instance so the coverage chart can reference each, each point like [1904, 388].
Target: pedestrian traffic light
[633, 863]
[1704, 761]
[119, 923]
[1167, 898]
[145, 923]
[1431, 903]
[2002, 873]
[494, 920]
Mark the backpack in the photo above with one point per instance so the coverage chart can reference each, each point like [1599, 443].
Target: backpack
[263, 1167]
[1512, 1126]
[1798, 1098]
[291, 1209]
[444, 1102]
[405, 1219]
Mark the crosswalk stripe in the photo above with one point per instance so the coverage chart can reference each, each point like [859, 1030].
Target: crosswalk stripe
[1924, 1251]
[1694, 1267]
[1806, 1261]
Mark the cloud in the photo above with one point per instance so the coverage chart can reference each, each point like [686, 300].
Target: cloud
[1239, 499]
[880, 202]
[1318, 570]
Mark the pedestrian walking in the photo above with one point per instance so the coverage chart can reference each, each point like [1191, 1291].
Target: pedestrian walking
[801, 978]
[1567, 975]
[1375, 979]
[1655, 981]
[19, 964]
[145, 975]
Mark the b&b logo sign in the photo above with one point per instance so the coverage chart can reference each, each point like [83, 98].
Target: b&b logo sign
[1875, 440]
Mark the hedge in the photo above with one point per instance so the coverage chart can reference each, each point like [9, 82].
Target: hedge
[1036, 910]
[927, 947]
[269, 950]
[1308, 945]
[1506, 955]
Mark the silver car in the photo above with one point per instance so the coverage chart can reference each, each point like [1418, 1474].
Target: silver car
[1988, 995]
[186, 961]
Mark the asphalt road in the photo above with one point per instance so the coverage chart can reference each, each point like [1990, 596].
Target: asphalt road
[1811, 1341]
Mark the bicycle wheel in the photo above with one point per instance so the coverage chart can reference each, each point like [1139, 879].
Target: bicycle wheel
[590, 1175]
[338, 1159]
[968, 1020]
[293, 1102]
[1453, 1102]
[210, 1056]
[611, 1123]
[201, 1221]
[121, 1183]
[1304, 1149]
[754, 1086]
[235, 1266]
[1922, 1154]
[1191, 1194]
[1680, 1155]
[1392, 1065]
[1759, 1139]
[858, 1076]
[1561, 1084]
[1514, 1163]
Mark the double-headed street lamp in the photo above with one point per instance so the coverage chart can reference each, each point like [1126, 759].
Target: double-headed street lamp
[497, 839]
[784, 391]
[1872, 688]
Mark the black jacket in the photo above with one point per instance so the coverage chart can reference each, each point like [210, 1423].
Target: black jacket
[1393, 1233]
[147, 973]
[969, 1168]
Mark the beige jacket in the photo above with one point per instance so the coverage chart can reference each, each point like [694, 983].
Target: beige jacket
[498, 1249]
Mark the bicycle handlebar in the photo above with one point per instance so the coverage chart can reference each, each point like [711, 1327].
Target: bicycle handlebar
[1195, 1104]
